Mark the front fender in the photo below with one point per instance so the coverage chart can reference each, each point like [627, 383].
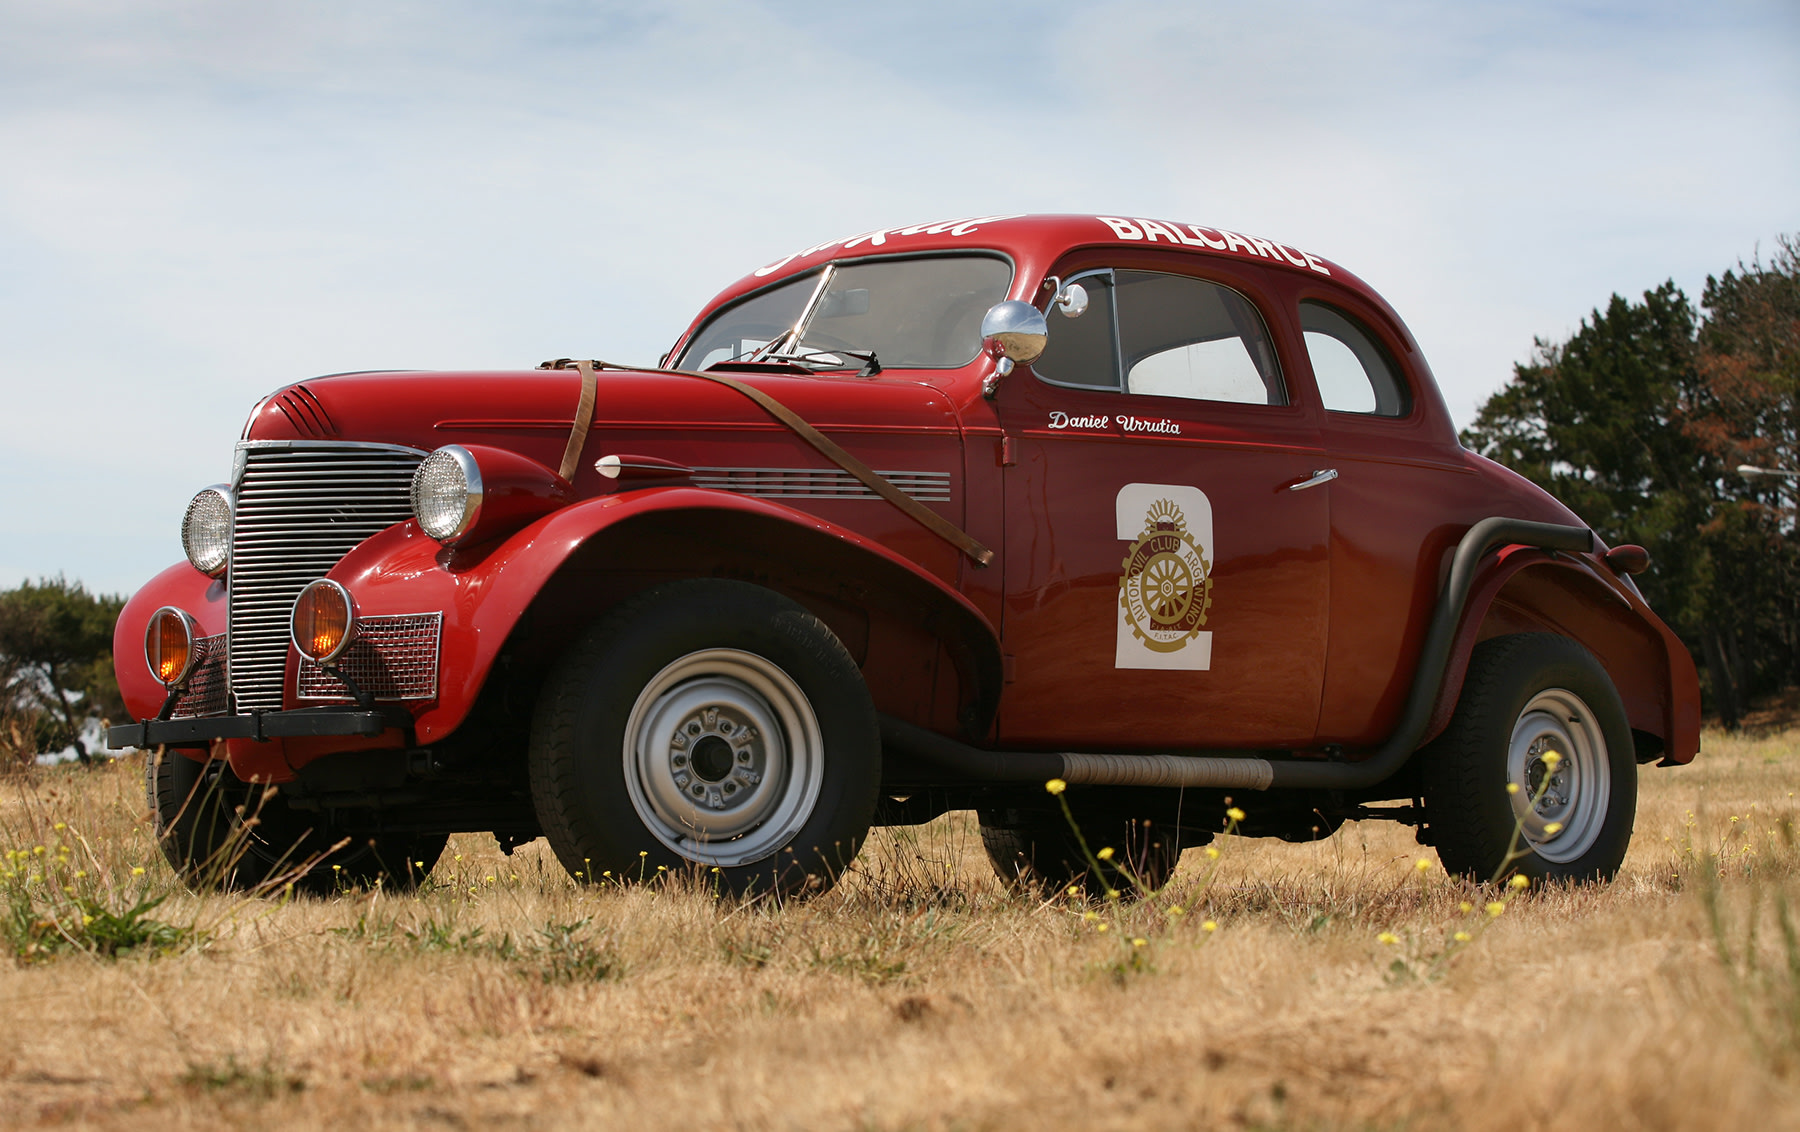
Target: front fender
[482, 592]
[183, 587]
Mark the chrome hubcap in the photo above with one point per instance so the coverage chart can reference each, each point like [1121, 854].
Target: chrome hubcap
[723, 757]
[1561, 801]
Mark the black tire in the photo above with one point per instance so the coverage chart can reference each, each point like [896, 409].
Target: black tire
[1524, 695]
[200, 810]
[775, 790]
[1037, 852]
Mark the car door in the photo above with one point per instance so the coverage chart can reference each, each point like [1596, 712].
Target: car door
[1167, 571]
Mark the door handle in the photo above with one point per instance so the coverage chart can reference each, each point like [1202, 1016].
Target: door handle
[1322, 475]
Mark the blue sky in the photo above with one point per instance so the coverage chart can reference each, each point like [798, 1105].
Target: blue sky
[203, 200]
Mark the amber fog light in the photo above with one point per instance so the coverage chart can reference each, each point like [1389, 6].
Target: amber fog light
[169, 645]
[324, 621]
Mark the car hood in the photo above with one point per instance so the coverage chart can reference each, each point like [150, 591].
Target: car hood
[672, 416]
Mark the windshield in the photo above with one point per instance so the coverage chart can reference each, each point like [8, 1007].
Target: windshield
[909, 313]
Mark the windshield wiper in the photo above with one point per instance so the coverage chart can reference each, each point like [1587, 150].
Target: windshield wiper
[870, 367]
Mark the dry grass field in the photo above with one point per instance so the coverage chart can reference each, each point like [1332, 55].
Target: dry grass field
[1299, 987]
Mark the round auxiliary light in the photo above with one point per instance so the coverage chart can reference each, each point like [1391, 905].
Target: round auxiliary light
[206, 529]
[170, 645]
[324, 621]
[446, 493]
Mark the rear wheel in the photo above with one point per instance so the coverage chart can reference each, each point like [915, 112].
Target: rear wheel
[1539, 745]
[713, 726]
[201, 811]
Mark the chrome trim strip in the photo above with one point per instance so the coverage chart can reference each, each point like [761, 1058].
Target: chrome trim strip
[820, 483]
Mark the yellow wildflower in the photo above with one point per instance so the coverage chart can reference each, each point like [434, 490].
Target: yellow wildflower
[1175, 910]
[1462, 937]
[60, 826]
[1209, 926]
[1139, 942]
[1105, 854]
[1553, 827]
[1512, 788]
[1235, 814]
[1465, 907]
[1212, 852]
[1073, 890]
[1422, 865]
[1519, 881]
[1387, 938]
[1102, 927]
[138, 871]
[1496, 907]
[1551, 758]
[1056, 786]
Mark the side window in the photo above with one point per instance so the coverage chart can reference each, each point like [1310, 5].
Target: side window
[1182, 337]
[1355, 372]
[1168, 335]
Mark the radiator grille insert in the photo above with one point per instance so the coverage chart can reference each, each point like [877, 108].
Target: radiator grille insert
[205, 691]
[392, 658]
[302, 505]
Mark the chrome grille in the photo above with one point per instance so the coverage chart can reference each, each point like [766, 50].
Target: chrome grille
[392, 658]
[821, 483]
[205, 691]
[301, 506]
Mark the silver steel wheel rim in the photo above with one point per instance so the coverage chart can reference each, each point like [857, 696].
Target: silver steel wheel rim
[723, 757]
[1575, 788]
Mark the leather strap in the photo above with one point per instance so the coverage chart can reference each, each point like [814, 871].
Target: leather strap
[868, 477]
[584, 419]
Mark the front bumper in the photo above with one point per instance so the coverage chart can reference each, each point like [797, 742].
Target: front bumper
[260, 726]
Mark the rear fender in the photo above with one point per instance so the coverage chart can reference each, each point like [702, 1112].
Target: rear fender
[568, 566]
[1530, 590]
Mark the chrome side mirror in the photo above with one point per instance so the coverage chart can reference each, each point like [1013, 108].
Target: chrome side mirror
[1071, 300]
[1012, 331]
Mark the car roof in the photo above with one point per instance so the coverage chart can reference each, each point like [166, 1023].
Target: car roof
[1034, 242]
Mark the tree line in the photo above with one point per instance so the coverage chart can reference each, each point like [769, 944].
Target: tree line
[1641, 422]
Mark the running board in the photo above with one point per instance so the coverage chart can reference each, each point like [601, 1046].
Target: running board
[1250, 772]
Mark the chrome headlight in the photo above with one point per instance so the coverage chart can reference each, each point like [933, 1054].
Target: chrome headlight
[446, 493]
[206, 529]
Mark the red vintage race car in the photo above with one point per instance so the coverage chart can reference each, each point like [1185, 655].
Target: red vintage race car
[909, 522]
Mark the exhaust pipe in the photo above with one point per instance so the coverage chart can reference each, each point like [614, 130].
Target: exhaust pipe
[1251, 772]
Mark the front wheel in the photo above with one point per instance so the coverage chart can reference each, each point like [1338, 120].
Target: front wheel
[1536, 773]
[220, 832]
[711, 725]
